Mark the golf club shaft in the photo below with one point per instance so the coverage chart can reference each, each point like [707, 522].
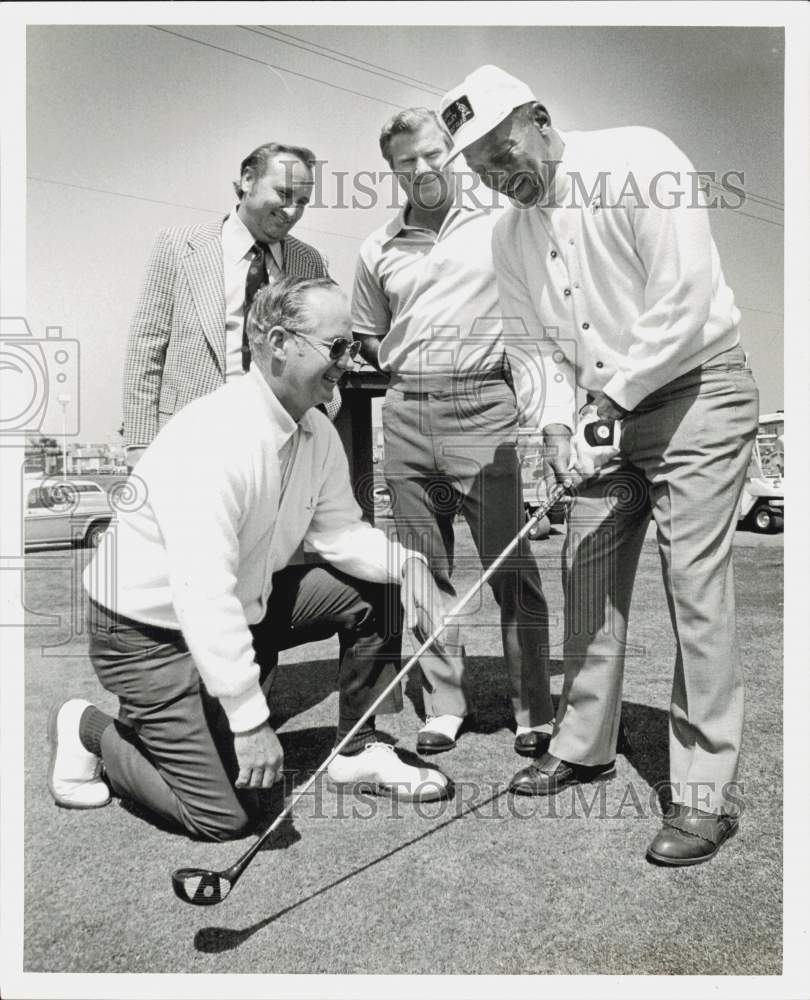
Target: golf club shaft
[555, 494]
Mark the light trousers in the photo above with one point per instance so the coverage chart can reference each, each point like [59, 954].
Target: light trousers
[449, 451]
[684, 455]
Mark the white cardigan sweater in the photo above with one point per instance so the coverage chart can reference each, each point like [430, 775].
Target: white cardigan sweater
[198, 548]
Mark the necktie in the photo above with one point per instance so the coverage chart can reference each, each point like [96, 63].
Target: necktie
[256, 279]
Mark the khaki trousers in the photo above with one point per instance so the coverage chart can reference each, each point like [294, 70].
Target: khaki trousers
[684, 455]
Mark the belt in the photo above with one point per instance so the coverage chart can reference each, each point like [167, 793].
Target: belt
[425, 385]
[103, 619]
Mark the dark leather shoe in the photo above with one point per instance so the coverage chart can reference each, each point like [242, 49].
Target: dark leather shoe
[430, 741]
[433, 743]
[690, 836]
[532, 744]
[549, 775]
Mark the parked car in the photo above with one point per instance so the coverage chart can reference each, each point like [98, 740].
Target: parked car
[64, 511]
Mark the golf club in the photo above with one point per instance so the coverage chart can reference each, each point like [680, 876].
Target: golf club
[202, 887]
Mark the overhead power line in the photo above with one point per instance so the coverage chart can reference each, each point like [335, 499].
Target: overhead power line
[423, 84]
[280, 69]
[175, 204]
[344, 62]
[760, 199]
[770, 222]
[767, 312]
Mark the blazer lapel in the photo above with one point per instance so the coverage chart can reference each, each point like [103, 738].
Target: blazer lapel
[293, 262]
[203, 268]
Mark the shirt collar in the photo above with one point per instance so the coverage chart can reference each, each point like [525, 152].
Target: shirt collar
[396, 225]
[237, 242]
[281, 420]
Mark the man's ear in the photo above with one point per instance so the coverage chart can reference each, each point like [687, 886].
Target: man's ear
[247, 180]
[276, 338]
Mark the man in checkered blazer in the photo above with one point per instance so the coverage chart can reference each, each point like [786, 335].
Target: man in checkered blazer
[186, 337]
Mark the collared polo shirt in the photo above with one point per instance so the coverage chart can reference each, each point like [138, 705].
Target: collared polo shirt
[431, 297]
[615, 284]
[237, 243]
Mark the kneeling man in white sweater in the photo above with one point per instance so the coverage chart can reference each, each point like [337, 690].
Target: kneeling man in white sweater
[193, 593]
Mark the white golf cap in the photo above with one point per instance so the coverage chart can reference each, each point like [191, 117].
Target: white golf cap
[482, 101]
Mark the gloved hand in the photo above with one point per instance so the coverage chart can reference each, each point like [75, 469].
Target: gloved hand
[587, 455]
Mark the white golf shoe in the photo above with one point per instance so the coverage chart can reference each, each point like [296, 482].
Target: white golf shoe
[74, 775]
[379, 770]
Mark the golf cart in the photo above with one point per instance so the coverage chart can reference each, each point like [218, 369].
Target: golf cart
[762, 504]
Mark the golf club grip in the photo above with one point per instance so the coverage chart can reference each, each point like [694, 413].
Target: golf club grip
[599, 433]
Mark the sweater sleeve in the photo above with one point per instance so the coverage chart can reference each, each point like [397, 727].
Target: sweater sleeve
[198, 505]
[338, 533]
[544, 380]
[673, 241]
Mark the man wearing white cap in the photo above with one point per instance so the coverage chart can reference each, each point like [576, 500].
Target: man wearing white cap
[425, 306]
[608, 271]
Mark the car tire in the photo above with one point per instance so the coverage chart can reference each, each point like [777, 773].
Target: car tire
[763, 520]
[94, 534]
[540, 529]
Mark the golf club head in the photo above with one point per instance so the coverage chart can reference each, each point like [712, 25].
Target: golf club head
[200, 887]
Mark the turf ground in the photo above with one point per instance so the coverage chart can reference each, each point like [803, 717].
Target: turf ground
[483, 884]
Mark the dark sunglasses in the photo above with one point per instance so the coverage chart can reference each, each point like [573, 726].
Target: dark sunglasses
[338, 347]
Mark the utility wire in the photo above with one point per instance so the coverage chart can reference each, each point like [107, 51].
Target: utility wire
[768, 312]
[429, 87]
[121, 194]
[176, 204]
[749, 195]
[770, 222]
[263, 62]
[345, 62]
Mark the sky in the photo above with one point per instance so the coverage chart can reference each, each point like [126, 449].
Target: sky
[132, 128]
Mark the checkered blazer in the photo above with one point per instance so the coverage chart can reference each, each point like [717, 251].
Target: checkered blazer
[176, 347]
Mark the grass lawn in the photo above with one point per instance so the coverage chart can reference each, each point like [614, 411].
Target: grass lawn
[483, 884]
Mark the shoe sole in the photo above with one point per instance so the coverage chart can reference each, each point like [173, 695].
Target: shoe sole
[384, 791]
[666, 862]
[604, 776]
[53, 740]
[529, 752]
[429, 750]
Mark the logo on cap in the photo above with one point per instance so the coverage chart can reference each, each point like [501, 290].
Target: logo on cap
[457, 113]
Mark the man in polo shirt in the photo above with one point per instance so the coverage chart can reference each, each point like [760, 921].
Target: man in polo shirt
[197, 589]
[425, 307]
[607, 259]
